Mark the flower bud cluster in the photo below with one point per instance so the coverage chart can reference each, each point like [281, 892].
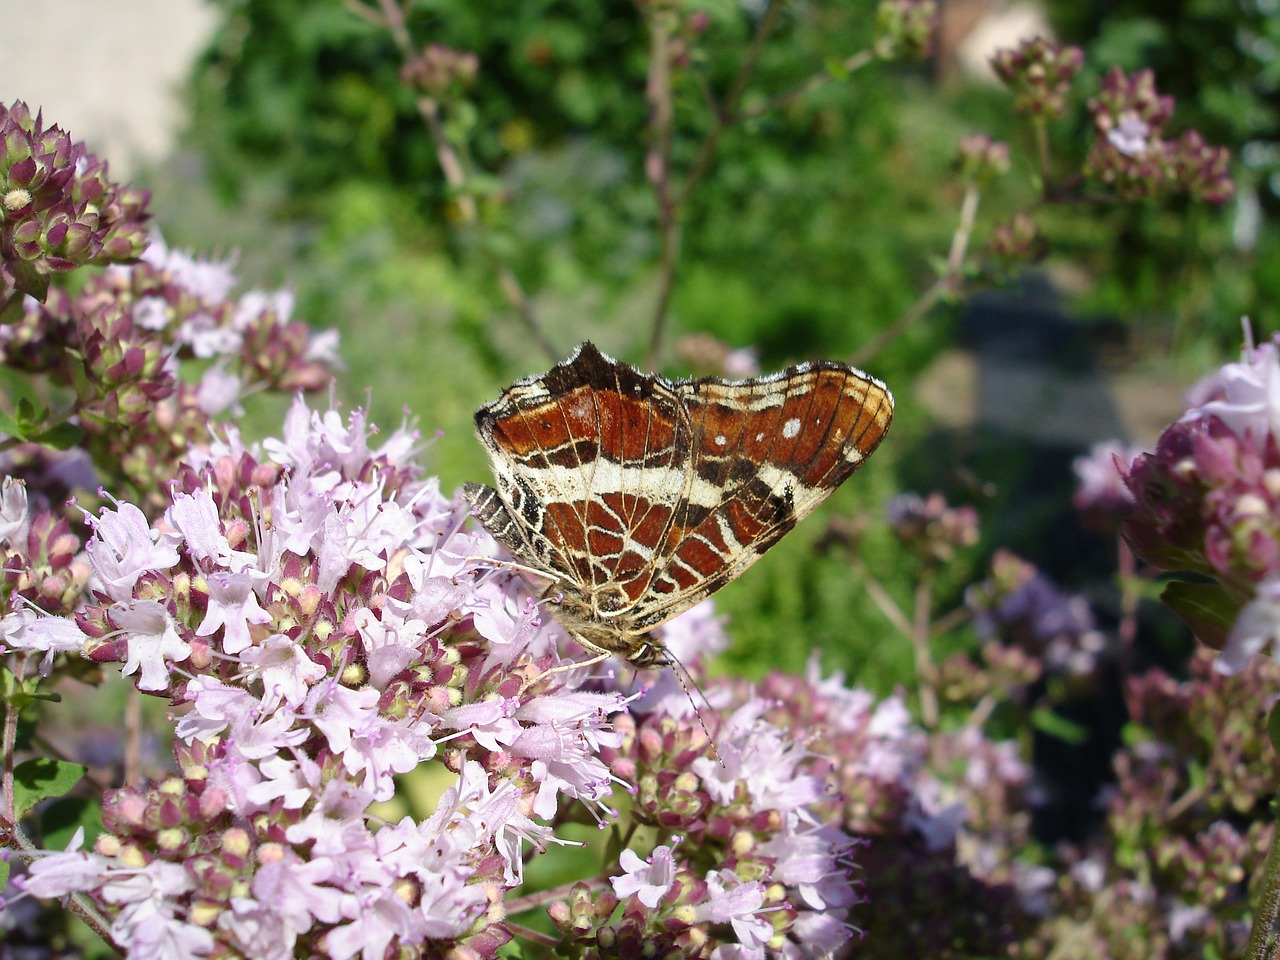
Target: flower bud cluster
[1039, 72]
[1207, 500]
[1019, 607]
[122, 341]
[981, 160]
[872, 761]
[750, 801]
[931, 529]
[906, 29]
[1129, 152]
[1015, 242]
[1187, 821]
[41, 556]
[440, 71]
[1102, 497]
[934, 814]
[59, 209]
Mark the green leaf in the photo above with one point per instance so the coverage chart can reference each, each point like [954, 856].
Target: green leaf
[12, 310]
[26, 412]
[42, 778]
[1197, 774]
[1207, 608]
[63, 436]
[22, 698]
[60, 819]
[836, 69]
[1046, 721]
[9, 426]
[27, 279]
[1273, 726]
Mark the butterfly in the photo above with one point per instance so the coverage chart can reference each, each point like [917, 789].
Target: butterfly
[637, 496]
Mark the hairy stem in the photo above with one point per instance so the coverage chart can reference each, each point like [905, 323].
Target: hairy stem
[658, 164]
[848, 65]
[1261, 937]
[8, 743]
[391, 15]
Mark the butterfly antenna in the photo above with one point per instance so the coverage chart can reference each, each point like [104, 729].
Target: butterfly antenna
[688, 685]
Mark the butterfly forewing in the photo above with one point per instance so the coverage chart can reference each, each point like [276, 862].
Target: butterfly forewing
[764, 454]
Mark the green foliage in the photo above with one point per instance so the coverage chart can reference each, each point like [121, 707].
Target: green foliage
[42, 779]
[1208, 609]
[1203, 270]
[815, 226]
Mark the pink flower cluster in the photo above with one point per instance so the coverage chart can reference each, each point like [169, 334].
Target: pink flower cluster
[321, 620]
[1208, 501]
[59, 209]
[1039, 72]
[122, 343]
[324, 622]
[1130, 154]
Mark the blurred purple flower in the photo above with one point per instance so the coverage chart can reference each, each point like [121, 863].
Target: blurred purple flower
[1101, 493]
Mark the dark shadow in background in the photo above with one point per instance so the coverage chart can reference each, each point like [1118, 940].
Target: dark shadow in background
[1043, 401]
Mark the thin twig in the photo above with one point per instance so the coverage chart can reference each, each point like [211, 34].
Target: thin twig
[949, 621]
[1188, 799]
[133, 737]
[530, 935]
[393, 17]
[982, 711]
[451, 164]
[671, 203]
[8, 744]
[1042, 147]
[946, 285]
[658, 170]
[850, 64]
[1127, 631]
[925, 673]
[726, 115]
[888, 606]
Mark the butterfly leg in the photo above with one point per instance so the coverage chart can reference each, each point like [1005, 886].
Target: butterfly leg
[571, 665]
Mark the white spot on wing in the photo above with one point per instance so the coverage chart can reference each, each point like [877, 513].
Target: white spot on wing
[721, 440]
[791, 427]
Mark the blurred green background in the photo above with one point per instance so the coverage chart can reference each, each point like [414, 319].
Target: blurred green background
[816, 226]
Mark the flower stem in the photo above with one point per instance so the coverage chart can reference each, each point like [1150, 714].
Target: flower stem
[530, 901]
[925, 674]
[1261, 939]
[948, 284]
